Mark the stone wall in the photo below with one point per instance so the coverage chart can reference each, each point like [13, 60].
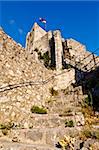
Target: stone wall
[20, 76]
[42, 45]
[77, 55]
[24, 82]
[76, 49]
[58, 49]
[65, 79]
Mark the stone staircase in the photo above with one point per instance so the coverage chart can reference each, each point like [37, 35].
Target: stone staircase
[43, 131]
[44, 134]
[5, 145]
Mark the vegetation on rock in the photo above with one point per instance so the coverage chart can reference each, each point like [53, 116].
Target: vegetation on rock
[38, 110]
[89, 133]
[66, 143]
[45, 57]
[69, 123]
[7, 126]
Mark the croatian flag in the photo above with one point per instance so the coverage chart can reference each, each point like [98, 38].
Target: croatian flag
[42, 20]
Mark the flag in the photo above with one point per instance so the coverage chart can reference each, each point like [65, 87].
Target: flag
[42, 20]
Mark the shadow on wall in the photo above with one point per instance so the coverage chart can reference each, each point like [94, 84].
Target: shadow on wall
[90, 86]
[52, 52]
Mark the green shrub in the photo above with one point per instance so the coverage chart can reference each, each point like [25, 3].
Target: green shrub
[45, 57]
[7, 126]
[97, 135]
[2, 126]
[87, 100]
[91, 134]
[67, 143]
[68, 66]
[40, 55]
[38, 110]
[87, 133]
[69, 123]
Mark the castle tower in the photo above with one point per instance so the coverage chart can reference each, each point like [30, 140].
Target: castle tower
[41, 41]
[34, 35]
[38, 32]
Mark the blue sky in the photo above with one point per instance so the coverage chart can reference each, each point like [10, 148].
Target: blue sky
[78, 20]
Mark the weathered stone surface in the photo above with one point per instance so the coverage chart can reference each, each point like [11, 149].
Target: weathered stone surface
[25, 81]
[79, 56]
[89, 142]
[65, 79]
[95, 145]
[34, 135]
[20, 146]
[79, 118]
[58, 49]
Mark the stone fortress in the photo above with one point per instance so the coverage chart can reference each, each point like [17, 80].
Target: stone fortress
[60, 51]
[43, 74]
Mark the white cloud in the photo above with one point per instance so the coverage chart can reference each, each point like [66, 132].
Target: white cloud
[20, 31]
[12, 21]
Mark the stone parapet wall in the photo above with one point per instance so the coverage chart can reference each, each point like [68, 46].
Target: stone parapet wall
[65, 79]
[18, 70]
[76, 49]
[71, 43]
[78, 56]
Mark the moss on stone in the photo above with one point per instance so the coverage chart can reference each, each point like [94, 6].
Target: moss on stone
[38, 110]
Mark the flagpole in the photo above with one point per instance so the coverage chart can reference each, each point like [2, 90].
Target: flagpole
[43, 21]
[45, 26]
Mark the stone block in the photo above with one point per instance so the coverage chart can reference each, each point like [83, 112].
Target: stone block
[35, 135]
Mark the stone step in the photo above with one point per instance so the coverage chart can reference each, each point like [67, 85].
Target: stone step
[48, 120]
[45, 120]
[5, 145]
[58, 107]
[47, 136]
